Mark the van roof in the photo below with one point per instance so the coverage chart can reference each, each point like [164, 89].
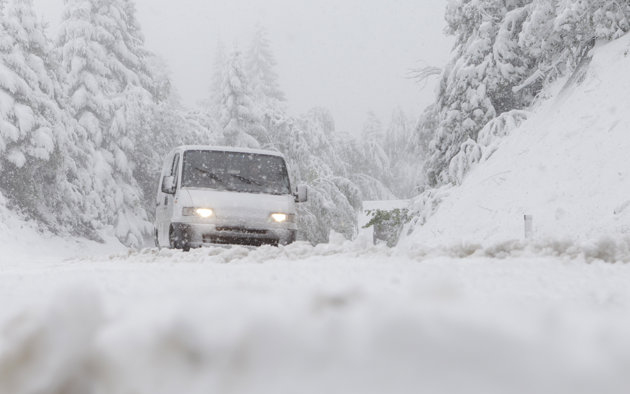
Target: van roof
[185, 148]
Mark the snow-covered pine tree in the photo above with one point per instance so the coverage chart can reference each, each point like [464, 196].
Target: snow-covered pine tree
[424, 130]
[239, 118]
[315, 153]
[371, 170]
[373, 138]
[162, 86]
[611, 18]
[108, 83]
[33, 135]
[580, 23]
[406, 154]
[260, 67]
[478, 83]
[398, 136]
[559, 34]
[218, 81]
[540, 41]
[462, 99]
[268, 98]
[321, 136]
[28, 89]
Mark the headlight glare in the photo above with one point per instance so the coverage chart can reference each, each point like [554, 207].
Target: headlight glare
[201, 212]
[280, 217]
[204, 212]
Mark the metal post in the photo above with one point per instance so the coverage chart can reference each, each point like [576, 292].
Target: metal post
[529, 226]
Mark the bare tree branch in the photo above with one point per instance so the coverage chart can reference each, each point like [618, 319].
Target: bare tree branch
[422, 74]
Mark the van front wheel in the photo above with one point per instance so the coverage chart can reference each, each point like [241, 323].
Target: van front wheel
[178, 239]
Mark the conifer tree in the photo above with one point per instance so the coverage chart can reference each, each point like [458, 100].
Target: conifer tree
[398, 136]
[218, 80]
[611, 18]
[108, 84]
[320, 135]
[32, 132]
[405, 151]
[314, 153]
[377, 163]
[478, 83]
[239, 119]
[28, 89]
[260, 68]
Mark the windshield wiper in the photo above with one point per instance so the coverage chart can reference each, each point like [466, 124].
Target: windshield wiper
[246, 180]
[211, 175]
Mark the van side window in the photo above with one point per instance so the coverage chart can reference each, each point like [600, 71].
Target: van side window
[175, 168]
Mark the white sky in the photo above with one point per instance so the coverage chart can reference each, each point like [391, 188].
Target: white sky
[350, 56]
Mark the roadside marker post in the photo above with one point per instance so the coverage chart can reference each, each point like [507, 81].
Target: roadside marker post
[529, 227]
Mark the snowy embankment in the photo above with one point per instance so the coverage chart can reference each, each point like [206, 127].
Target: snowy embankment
[24, 241]
[568, 166]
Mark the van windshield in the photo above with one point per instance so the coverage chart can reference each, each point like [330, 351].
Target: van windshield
[235, 172]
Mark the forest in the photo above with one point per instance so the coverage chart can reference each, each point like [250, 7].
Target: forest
[88, 115]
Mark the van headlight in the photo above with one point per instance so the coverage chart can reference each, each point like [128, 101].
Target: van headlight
[201, 212]
[282, 217]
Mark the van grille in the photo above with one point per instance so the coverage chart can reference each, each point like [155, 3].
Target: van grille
[236, 240]
[241, 230]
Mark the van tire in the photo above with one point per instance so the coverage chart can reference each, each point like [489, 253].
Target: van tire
[177, 240]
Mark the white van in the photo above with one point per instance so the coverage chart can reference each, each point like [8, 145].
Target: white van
[218, 195]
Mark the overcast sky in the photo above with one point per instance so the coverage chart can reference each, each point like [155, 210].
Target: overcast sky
[350, 56]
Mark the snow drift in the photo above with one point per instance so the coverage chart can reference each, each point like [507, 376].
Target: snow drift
[567, 166]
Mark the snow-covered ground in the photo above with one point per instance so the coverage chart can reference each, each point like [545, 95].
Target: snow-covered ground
[338, 318]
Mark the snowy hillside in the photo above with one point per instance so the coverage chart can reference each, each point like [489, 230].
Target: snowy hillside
[567, 166]
[24, 241]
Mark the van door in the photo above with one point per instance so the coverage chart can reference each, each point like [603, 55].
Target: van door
[166, 202]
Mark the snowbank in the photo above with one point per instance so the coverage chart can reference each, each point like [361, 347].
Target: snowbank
[567, 166]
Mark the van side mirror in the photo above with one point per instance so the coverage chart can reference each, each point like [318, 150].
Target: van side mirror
[168, 185]
[302, 194]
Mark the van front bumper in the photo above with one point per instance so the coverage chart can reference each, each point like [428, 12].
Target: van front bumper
[197, 235]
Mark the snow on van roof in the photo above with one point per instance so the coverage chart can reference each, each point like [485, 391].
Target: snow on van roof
[229, 149]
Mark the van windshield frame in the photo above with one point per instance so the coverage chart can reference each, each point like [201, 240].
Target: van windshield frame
[239, 172]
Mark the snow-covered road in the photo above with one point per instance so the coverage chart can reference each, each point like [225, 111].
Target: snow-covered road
[340, 318]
